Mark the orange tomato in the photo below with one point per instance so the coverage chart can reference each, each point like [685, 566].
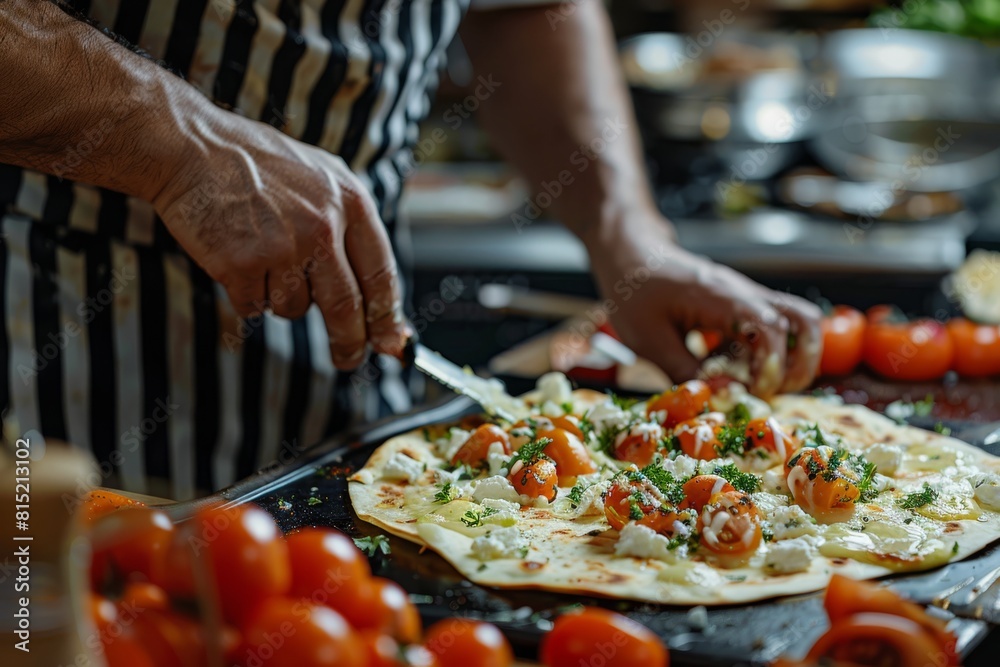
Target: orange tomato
[846, 597]
[699, 437]
[389, 612]
[700, 489]
[914, 351]
[475, 449]
[977, 347]
[594, 635]
[830, 496]
[143, 595]
[459, 642]
[98, 503]
[104, 614]
[246, 555]
[681, 403]
[134, 540]
[328, 569]
[177, 579]
[171, 638]
[843, 340]
[730, 526]
[624, 498]
[126, 651]
[299, 634]
[876, 639]
[568, 423]
[640, 444]
[766, 440]
[536, 480]
[664, 520]
[568, 453]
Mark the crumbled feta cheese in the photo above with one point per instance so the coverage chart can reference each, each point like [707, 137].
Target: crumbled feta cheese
[790, 522]
[550, 409]
[500, 505]
[769, 502]
[887, 458]
[681, 467]
[555, 387]
[643, 542]
[496, 487]
[706, 467]
[658, 416]
[449, 447]
[504, 511]
[499, 543]
[882, 483]
[608, 416]
[774, 481]
[496, 459]
[796, 555]
[592, 500]
[401, 466]
[988, 491]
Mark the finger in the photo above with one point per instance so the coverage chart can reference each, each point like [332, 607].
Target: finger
[289, 292]
[338, 296]
[805, 346]
[669, 352]
[766, 331]
[247, 293]
[374, 265]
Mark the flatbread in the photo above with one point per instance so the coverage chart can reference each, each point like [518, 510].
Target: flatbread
[576, 554]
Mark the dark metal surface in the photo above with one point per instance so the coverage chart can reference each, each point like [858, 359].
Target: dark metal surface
[312, 491]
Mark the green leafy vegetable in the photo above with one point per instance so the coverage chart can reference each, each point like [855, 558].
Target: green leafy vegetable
[942, 429]
[529, 453]
[623, 402]
[446, 493]
[925, 496]
[747, 482]
[474, 519]
[663, 480]
[373, 544]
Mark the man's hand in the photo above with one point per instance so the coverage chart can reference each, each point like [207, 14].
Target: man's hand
[281, 225]
[661, 292]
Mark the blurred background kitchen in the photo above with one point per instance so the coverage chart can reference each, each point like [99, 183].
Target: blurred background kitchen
[840, 149]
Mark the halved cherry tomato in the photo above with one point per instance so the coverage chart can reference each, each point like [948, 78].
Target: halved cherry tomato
[104, 614]
[568, 453]
[730, 527]
[389, 612]
[639, 444]
[846, 597]
[98, 503]
[901, 350]
[699, 437]
[768, 443]
[475, 449]
[313, 635]
[977, 347]
[665, 520]
[568, 423]
[328, 569]
[536, 480]
[876, 639]
[178, 578]
[135, 541]
[126, 651]
[700, 489]
[843, 340]
[384, 651]
[143, 595]
[594, 635]
[247, 557]
[171, 638]
[629, 501]
[459, 642]
[681, 403]
[829, 495]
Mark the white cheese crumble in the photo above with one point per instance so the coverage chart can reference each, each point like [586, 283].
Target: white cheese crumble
[592, 500]
[499, 543]
[790, 522]
[796, 555]
[449, 447]
[736, 394]
[550, 409]
[769, 502]
[497, 487]
[681, 467]
[401, 466]
[643, 542]
[988, 491]
[504, 511]
[774, 481]
[887, 458]
[607, 415]
[496, 459]
[646, 431]
[555, 387]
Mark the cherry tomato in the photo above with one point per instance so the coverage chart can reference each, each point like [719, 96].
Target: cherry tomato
[730, 526]
[663, 520]
[876, 639]
[311, 635]
[829, 495]
[247, 556]
[475, 449]
[639, 444]
[977, 347]
[568, 453]
[699, 437]
[681, 403]
[135, 541]
[846, 597]
[700, 489]
[768, 443]
[536, 480]
[328, 569]
[843, 340]
[126, 651]
[171, 638]
[177, 579]
[914, 351]
[459, 642]
[98, 503]
[104, 614]
[389, 612]
[143, 595]
[627, 498]
[384, 651]
[568, 423]
[595, 635]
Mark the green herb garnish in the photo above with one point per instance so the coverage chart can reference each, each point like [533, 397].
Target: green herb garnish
[925, 496]
[474, 519]
[373, 544]
[446, 493]
[663, 480]
[942, 429]
[747, 482]
[313, 500]
[623, 402]
[576, 495]
[529, 453]
[925, 407]
[567, 407]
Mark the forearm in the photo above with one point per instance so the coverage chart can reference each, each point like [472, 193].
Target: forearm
[75, 104]
[561, 108]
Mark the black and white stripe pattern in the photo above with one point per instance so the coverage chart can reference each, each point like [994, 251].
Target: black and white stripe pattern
[113, 339]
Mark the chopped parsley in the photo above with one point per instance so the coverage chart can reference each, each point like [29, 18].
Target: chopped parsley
[925, 407]
[866, 484]
[623, 402]
[284, 504]
[812, 436]
[576, 495]
[942, 429]
[427, 434]
[925, 496]
[313, 500]
[740, 414]
[663, 480]
[671, 443]
[522, 553]
[586, 426]
[634, 507]
[732, 439]
[474, 519]
[606, 441]
[954, 548]
[446, 493]
[529, 453]
[373, 544]
[567, 407]
[767, 534]
[747, 482]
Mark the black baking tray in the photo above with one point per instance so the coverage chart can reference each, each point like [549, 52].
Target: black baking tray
[734, 635]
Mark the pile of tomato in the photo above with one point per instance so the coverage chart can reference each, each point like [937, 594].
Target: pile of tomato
[900, 348]
[307, 599]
